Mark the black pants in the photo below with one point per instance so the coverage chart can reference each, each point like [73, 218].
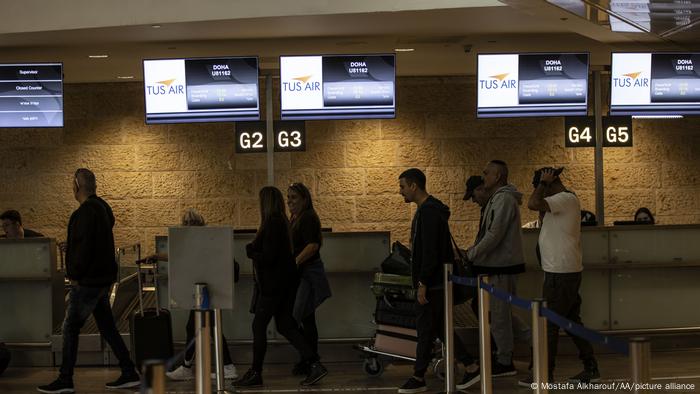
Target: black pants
[189, 355]
[280, 307]
[83, 302]
[310, 331]
[561, 293]
[430, 324]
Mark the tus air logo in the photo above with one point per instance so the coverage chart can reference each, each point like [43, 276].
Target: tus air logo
[165, 87]
[301, 84]
[631, 80]
[498, 81]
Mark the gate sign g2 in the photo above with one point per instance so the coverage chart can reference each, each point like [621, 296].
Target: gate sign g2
[250, 137]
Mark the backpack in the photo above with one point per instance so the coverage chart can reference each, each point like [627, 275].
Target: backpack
[399, 261]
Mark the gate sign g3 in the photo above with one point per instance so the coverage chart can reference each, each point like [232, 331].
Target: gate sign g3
[579, 131]
[250, 137]
[290, 136]
[617, 131]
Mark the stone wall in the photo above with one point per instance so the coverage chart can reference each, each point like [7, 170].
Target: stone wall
[150, 174]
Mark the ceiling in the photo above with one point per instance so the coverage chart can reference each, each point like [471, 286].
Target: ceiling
[445, 34]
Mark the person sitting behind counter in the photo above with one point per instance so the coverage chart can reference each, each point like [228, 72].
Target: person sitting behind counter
[12, 226]
[644, 216]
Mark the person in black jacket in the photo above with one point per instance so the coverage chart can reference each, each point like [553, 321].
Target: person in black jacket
[431, 247]
[275, 287]
[92, 269]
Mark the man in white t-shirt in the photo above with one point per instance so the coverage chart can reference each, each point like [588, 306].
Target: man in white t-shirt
[560, 250]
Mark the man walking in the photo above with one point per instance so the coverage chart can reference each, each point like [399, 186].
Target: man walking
[91, 268]
[431, 248]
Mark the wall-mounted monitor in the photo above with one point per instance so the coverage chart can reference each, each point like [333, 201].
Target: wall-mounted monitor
[31, 95]
[223, 89]
[655, 84]
[338, 87]
[532, 84]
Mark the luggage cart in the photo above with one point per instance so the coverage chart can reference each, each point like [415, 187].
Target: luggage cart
[395, 337]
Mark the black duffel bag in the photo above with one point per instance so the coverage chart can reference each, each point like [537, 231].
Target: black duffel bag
[399, 261]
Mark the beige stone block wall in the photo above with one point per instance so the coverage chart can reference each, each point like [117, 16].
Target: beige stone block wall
[151, 174]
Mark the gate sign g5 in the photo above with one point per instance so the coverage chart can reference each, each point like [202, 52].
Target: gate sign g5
[617, 131]
[251, 137]
[579, 131]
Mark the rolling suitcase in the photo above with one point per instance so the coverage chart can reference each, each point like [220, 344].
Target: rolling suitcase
[151, 329]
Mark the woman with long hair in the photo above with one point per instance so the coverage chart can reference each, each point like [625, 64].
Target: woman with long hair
[313, 285]
[273, 266]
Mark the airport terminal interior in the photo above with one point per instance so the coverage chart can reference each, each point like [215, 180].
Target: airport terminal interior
[185, 110]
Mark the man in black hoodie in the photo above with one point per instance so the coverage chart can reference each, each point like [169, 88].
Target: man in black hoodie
[91, 268]
[431, 248]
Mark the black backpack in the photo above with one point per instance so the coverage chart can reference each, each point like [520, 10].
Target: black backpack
[399, 261]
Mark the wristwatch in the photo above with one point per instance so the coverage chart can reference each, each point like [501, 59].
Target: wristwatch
[420, 284]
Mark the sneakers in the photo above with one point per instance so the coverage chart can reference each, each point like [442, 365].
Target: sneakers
[586, 376]
[470, 378]
[301, 368]
[58, 386]
[125, 381]
[316, 372]
[181, 373]
[250, 379]
[498, 369]
[413, 385]
[229, 372]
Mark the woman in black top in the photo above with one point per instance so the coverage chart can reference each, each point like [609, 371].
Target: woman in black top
[313, 285]
[273, 264]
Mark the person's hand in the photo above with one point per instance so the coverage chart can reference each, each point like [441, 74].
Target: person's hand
[422, 290]
[63, 246]
[547, 177]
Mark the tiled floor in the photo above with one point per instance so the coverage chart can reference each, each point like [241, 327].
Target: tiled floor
[675, 372]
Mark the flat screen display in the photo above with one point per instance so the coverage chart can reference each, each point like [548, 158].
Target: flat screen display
[221, 89]
[655, 84]
[31, 95]
[533, 84]
[338, 87]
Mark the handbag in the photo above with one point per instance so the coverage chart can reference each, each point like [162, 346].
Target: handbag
[462, 267]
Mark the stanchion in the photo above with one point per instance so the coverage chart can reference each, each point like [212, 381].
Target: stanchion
[218, 350]
[540, 367]
[640, 360]
[484, 337]
[203, 340]
[152, 377]
[449, 329]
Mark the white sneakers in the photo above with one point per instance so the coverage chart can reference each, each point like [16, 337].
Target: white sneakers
[186, 373]
[229, 372]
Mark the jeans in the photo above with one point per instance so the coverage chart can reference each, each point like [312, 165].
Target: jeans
[505, 327]
[280, 307]
[430, 324]
[83, 302]
[561, 292]
[310, 331]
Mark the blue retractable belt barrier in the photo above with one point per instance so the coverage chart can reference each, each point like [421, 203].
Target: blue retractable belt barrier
[617, 345]
[172, 360]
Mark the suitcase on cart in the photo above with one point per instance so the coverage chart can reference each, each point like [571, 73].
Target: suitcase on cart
[151, 329]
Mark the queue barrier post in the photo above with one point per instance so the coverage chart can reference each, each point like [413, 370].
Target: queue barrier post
[485, 336]
[449, 330]
[640, 361]
[540, 367]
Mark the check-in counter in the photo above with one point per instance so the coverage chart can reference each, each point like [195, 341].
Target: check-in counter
[31, 291]
[635, 277]
[350, 260]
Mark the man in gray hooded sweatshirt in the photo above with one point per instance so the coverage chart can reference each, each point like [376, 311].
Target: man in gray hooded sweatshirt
[498, 252]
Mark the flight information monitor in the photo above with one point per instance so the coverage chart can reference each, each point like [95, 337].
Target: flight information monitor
[655, 84]
[338, 87]
[533, 84]
[31, 95]
[201, 90]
